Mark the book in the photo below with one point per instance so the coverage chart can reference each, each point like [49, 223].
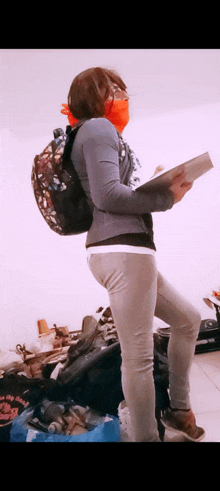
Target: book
[193, 169]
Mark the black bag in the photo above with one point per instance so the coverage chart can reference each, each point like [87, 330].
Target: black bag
[208, 337]
[57, 189]
[17, 392]
[94, 379]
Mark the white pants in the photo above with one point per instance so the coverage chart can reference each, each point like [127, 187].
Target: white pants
[137, 293]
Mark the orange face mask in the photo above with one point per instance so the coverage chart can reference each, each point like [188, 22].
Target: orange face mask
[116, 111]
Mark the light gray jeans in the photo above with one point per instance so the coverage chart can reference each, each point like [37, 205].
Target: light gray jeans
[137, 293]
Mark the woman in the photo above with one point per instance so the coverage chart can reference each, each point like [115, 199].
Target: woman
[121, 254]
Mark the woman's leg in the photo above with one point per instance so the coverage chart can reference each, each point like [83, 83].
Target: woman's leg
[185, 321]
[131, 281]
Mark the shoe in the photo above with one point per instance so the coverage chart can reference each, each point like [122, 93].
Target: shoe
[184, 423]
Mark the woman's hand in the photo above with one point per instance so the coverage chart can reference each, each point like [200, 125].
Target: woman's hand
[180, 187]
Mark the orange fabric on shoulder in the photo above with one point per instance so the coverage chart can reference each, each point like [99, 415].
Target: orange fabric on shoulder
[67, 112]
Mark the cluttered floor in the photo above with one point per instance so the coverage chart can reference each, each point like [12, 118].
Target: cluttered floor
[67, 386]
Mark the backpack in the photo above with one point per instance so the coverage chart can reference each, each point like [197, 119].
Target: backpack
[57, 189]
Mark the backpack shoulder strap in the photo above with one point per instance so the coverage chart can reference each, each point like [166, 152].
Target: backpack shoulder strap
[71, 134]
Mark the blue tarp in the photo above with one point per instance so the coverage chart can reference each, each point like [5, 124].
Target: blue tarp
[21, 431]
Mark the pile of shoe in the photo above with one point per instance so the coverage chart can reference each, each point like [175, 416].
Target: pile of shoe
[65, 418]
[102, 320]
[50, 346]
[42, 356]
[31, 371]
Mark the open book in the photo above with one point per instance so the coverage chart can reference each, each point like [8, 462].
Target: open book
[193, 169]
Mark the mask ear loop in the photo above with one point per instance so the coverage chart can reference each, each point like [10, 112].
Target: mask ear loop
[112, 101]
[108, 110]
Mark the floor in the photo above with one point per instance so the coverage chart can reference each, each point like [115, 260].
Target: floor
[205, 396]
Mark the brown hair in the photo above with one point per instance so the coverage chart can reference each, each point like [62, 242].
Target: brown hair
[89, 91]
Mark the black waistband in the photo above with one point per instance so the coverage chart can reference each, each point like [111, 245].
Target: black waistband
[137, 240]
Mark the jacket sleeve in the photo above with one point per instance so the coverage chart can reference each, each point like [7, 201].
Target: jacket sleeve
[101, 153]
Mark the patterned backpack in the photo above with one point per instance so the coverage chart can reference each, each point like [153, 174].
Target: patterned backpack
[57, 189]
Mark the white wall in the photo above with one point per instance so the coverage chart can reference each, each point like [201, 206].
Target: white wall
[188, 236]
[45, 275]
